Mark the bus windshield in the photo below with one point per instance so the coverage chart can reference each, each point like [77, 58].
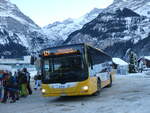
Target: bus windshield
[62, 69]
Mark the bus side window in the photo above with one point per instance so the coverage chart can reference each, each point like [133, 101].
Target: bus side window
[90, 61]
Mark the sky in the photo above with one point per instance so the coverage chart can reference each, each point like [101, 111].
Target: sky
[44, 12]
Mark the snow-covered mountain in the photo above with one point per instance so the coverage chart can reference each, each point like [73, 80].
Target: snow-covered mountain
[122, 25]
[19, 35]
[61, 30]
[118, 28]
[20, 32]
[139, 6]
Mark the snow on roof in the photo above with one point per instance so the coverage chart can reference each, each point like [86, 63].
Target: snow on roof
[119, 61]
[5, 67]
[144, 57]
[25, 60]
[147, 57]
[11, 61]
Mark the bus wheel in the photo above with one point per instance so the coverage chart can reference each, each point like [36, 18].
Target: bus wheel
[98, 88]
[110, 84]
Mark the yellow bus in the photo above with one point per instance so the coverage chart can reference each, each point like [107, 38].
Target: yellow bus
[77, 69]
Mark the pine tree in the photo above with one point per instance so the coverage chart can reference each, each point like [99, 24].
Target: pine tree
[133, 63]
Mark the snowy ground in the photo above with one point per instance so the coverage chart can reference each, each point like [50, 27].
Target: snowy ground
[129, 94]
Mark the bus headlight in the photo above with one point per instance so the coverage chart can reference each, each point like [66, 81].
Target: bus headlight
[85, 87]
[43, 90]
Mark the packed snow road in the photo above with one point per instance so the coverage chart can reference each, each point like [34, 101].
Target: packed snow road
[129, 94]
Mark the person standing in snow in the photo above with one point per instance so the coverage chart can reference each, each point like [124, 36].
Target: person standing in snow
[1, 85]
[27, 74]
[37, 79]
[22, 79]
[9, 88]
[16, 85]
[5, 78]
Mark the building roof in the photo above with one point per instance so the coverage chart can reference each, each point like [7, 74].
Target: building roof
[5, 67]
[119, 61]
[147, 57]
[26, 60]
[144, 57]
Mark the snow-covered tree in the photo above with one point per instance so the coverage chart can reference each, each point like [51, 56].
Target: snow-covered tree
[133, 62]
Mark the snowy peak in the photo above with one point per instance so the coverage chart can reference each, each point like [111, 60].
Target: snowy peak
[68, 21]
[95, 10]
[111, 28]
[125, 12]
[9, 10]
[119, 13]
[61, 30]
[57, 23]
[93, 13]
[139, 6]
[19, 31]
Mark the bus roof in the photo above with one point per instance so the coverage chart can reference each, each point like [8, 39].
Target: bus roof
[75, 45]
[63, 46]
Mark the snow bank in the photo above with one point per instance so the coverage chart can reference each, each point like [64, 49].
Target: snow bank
[119, 61]
[144, 74]
[128, 94]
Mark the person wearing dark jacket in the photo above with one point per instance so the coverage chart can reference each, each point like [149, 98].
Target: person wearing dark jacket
[22, 79]
[1, 85]
[9, 88]
[27, 74]
[6, 77]
[16, 85]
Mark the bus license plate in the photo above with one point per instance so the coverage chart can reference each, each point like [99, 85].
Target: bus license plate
[62, 86]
